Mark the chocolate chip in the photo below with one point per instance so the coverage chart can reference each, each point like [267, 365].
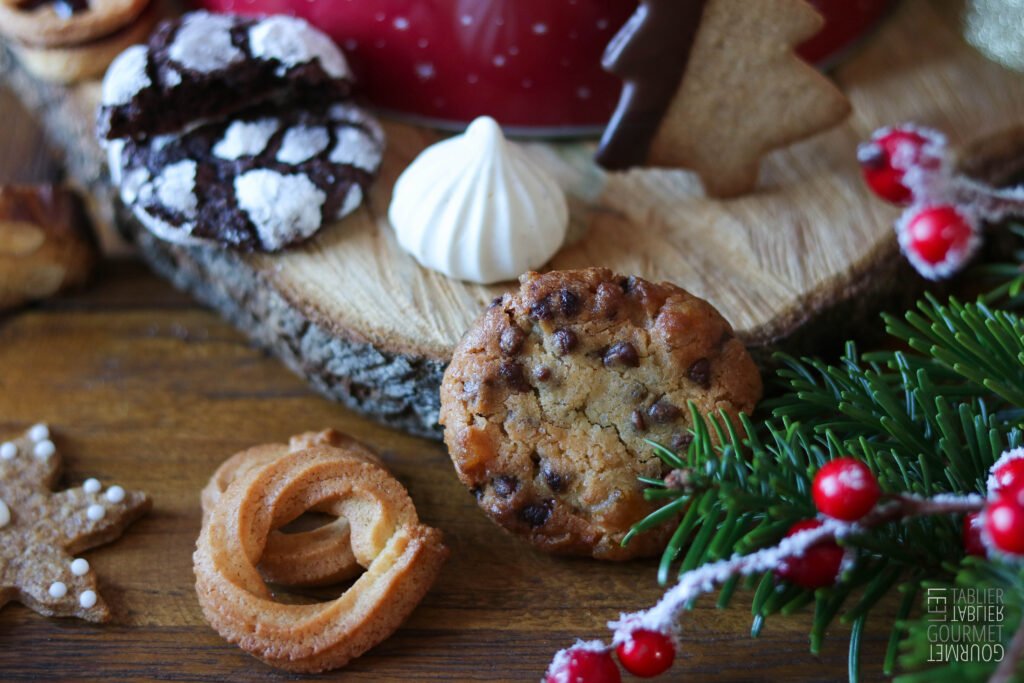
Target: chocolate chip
[511, 341]
[681, 442]
[556, 481]
[542, 310]
[537, 514]
[542, 373]
[628, 284]
[662, 412]
[565, 341]
[569, 303]
[505, 485]
[639, 423]
[700, 373]
[512, 375]
[496, 301]
[621, 353]
[477, 492]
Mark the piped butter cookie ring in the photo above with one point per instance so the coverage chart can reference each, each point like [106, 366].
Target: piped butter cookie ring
[319, 557]
[402, 558]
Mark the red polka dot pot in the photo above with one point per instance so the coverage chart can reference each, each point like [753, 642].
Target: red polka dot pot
[534, 65]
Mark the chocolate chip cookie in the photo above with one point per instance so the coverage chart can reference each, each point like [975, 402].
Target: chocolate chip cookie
[551, 393]
[261, 181]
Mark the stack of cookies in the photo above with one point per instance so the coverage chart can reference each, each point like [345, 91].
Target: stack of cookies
[67, 41]
[237, 132]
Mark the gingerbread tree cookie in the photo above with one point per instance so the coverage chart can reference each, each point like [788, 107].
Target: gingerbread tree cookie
[713, 85]
[42, 530]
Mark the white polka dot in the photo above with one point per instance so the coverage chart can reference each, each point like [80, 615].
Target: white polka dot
[540, 29]
[115, 494]
[44, 449]
[58, 590]
[95, 512]
[87, 599]
[5, 514]
[8, 450]
[39, 432]
[79, 566]
[401, 23]
[92, 485]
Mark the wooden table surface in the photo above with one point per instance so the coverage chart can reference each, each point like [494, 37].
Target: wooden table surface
[143, 387]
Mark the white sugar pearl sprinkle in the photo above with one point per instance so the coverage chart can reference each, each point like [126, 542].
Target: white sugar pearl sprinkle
[95, 512]
[58, 590]
[5, 514]
[39, 432]
[8, 450]
[92, 486]
[115, 494]
[80, 566]
[44, 449]
[87, 599]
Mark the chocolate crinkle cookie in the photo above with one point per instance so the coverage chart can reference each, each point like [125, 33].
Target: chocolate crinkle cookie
[238, 132]
[551, 394]
[202, 66]
[261, 181]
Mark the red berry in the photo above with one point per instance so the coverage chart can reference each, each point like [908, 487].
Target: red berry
[845, 489]
[1004, 524]
[817, 567]
[586, 666]
[972, 535]
[1009, 476]
[886, 159]
[937, 236]
[647, 653]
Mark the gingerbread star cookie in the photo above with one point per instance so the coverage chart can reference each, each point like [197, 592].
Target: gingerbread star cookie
[42, 531]
[714, 85]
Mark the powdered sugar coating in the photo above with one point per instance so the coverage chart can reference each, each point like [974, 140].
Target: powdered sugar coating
[126, 77]
[281, 207]
[302, 143]
[245, 138]
[203, 43]
[176, 188]
[292, 42]
[352, 201]
[356, 148]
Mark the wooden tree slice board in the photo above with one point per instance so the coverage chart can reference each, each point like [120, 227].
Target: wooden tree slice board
[811, 251]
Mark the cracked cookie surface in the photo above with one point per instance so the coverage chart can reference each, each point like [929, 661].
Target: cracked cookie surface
[551, 394]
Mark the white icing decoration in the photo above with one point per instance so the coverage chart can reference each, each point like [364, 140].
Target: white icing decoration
[302, 143]
[115, 494]
[79, 566]
[476, 208]
[57, 590]
[39, 432]
[87, 599]
[203, 43]
[8, 450]
[44, 449]
[92, 485]
[292, 41]
[352, 201]
[5, 514]
[245, 138]
[354, 147]
[283, 208]
[175, 188]
[126, 77]
[95, 512]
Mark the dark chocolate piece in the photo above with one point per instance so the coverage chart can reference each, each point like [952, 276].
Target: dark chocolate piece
[650, 54]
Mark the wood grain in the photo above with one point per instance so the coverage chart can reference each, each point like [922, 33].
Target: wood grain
[807, 258]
